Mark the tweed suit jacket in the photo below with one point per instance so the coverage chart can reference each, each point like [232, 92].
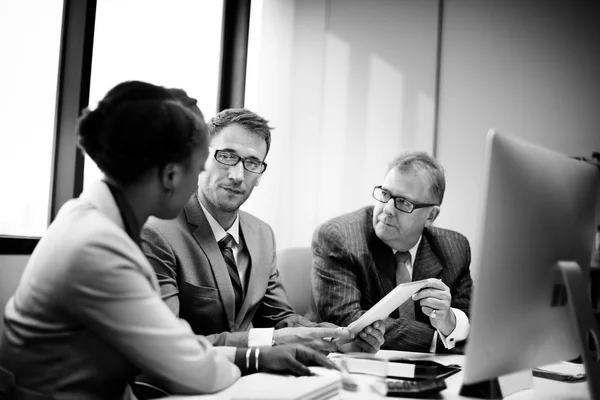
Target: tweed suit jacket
[353, 269]
[87, 317]
[195, 283]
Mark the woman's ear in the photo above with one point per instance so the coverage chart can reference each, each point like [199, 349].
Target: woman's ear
[171, 176]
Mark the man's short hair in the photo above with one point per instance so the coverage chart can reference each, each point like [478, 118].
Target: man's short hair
[421, 163]
[243, 117]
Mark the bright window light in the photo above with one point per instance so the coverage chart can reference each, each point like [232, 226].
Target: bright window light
[172, 43]
[30, 47]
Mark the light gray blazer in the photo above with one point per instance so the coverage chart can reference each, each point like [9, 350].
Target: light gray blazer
[87, 316]
[195, 283]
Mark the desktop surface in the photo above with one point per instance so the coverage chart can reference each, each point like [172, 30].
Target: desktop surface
[543, 389]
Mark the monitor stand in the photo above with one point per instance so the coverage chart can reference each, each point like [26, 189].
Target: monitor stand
[500, 387]
[587, 327]
[589, 338]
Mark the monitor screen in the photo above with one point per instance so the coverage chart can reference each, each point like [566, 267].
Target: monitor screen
[538, 208]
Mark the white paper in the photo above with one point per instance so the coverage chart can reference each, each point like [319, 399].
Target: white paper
[385, 306]
[264, 386]
[368, 365]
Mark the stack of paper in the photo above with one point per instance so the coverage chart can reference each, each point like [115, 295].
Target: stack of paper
[397, 367]
[322, 385]
[368, 365]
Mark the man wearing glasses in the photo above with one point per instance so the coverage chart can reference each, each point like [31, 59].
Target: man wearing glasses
[216, 264]
[361, 256]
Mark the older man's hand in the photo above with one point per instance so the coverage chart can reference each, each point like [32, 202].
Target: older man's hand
[435, 300]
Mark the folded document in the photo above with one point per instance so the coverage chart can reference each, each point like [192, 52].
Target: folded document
[385, 306]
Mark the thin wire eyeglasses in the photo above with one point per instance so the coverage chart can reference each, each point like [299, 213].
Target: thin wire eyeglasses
[230, 159]
[402, 204]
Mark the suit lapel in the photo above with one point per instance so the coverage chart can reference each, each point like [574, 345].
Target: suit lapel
[426, 265]
[203, 234]
[257, 277]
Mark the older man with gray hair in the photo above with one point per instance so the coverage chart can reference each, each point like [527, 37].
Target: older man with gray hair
[362, 256]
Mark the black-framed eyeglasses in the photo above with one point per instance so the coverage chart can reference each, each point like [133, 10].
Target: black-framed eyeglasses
[400, 203]
[230, 159]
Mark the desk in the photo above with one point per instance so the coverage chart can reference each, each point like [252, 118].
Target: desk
[543, 389]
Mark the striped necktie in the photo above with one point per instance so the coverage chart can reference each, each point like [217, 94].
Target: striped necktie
[225, 245]
[406, 309]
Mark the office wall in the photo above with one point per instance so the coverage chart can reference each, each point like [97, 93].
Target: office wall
[347, 84]
[526, 68]
[11, 269]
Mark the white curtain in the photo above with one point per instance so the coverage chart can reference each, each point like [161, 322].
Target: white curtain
[347, 86]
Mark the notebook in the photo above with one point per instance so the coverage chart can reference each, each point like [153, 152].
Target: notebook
[323, 384]
[562, 371]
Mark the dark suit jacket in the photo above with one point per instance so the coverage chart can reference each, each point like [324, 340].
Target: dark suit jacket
[195, 284]
[353, 270]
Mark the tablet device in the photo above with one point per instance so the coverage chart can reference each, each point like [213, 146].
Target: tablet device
[385, 306]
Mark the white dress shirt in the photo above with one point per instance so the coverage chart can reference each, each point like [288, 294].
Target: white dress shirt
[256, 336]
[461, 330]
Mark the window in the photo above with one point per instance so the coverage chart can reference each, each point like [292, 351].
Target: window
[30, 33]
[172, 43]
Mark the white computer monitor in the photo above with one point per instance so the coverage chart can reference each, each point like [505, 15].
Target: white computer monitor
[538, 208]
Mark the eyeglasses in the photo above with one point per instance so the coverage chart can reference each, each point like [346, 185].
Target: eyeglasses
[230, 159]
[400, 203]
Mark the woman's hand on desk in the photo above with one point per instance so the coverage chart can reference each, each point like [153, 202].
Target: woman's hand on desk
[369, 340]
[291, 359]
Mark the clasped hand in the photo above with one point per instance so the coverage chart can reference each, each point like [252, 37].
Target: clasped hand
[369, 340]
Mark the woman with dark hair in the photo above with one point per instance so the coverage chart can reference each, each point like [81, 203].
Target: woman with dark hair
[87, 317]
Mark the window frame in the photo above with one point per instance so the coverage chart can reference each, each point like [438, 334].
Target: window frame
[234, 54]
[75, 66]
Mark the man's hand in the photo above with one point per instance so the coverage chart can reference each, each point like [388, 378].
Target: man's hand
[369, 340]
[316, 338]
[435, 300]
[291, 359]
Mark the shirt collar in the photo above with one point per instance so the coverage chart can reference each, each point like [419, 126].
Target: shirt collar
[130, 223]
[413, 250]
[218, 230]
